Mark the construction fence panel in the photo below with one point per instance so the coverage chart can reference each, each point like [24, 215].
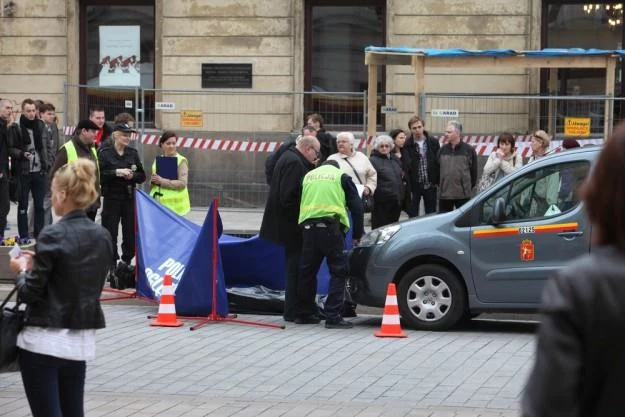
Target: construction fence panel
[227, 135]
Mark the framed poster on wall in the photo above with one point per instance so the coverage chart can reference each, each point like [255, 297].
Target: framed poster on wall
[120, 52]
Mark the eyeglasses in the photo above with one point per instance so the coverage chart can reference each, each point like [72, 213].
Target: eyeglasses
[316, 151]
[384, 146]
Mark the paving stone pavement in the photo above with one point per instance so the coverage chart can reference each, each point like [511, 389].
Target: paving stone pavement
[225, 369]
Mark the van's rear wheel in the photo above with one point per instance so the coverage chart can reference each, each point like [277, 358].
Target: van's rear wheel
[431, 297]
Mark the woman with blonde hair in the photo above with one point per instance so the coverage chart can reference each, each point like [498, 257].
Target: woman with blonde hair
[61, 283]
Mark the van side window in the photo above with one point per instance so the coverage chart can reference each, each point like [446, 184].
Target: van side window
[539, 194]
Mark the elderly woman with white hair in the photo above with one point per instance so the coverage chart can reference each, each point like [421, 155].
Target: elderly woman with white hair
[354, 163]
[389, 193]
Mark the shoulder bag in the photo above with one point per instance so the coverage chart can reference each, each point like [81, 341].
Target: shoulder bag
[367, 200]
[11, 323]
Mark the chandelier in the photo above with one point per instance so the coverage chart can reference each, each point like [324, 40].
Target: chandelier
[613, 12]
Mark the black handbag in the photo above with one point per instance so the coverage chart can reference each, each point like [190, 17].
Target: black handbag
[367, 200]
[11, 323]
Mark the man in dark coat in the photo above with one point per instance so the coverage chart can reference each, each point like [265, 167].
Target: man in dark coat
[280, 219]
[290, 142]
[424, 167]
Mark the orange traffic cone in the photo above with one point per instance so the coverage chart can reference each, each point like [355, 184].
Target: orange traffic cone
[167, 307]
[390, 319]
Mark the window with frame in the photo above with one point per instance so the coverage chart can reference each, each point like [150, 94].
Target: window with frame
[335, 75]
[539, 194]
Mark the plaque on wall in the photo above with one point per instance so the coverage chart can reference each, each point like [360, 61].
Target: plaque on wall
[226, 75]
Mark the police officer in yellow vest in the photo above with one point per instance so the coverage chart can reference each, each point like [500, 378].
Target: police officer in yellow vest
[171, 193]
[327, 196]
[80, 146]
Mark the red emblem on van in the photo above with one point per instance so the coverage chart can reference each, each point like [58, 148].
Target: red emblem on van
[527, 250]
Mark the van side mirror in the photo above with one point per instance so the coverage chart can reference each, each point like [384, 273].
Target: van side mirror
[499, 211]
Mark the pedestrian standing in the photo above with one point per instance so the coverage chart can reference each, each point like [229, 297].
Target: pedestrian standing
[81, 146]
[458, 169]
[6, 109]
[423, 150]
[47, 113]
[61, 284]
[327, 196]
[580, 361]
[172, 193]
[120, 172]
[29, 153]
[280, 219]
[389, 191]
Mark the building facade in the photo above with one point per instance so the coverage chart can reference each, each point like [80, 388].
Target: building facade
[260, 65]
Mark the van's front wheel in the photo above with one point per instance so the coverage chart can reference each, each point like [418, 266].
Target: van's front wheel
[431, 297]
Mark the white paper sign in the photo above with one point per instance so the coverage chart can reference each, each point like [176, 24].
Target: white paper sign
[445, 113]
[164, 105]
[128, 104]
[388, 109]
[120, 52]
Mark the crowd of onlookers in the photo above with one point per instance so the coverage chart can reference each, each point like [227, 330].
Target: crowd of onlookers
[31, 151]
[404, 169]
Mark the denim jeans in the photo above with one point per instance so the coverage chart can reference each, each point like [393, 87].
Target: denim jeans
[54, 387]
[34, 183]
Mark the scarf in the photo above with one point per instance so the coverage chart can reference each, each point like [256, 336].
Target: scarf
[35, 126]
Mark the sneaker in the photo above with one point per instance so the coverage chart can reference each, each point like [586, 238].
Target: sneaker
[307, 320]
[341, 324]
[23, 241]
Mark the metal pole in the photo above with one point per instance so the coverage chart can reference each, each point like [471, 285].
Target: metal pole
[364, 115]
[65, 109]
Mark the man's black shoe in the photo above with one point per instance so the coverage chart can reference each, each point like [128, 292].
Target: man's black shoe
[288, 318]
[307, 320]
[341, 324]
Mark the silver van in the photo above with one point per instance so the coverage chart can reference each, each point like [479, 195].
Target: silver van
[492, 254]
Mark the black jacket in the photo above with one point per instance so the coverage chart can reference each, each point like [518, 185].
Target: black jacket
[272, 160]
[432, 162]
[119, 188]
[19, 145]
[280, 219]
[328, 145]
[389, 177]
[580, 360]
[69, 269]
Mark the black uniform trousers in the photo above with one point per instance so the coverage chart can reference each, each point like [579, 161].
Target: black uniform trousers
[322, 239]
[114, 211]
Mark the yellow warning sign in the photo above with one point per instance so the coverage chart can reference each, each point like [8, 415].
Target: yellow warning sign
[577, 126]
[191, 118]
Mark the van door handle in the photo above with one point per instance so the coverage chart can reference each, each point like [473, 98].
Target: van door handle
[570, 235]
